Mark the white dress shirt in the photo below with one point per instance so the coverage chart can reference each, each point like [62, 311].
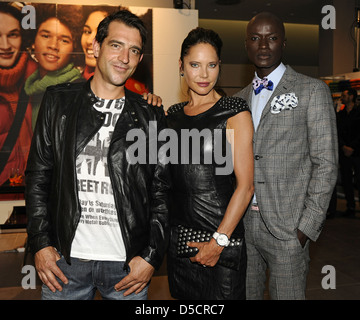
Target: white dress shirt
[259, 101]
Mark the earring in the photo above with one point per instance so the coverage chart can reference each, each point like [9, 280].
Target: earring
[181, 74]
[31, 51]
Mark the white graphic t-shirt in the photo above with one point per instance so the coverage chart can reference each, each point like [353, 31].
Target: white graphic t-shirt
[98, 235]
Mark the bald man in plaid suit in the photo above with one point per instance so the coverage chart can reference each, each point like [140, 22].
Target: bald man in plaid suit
[295, 150]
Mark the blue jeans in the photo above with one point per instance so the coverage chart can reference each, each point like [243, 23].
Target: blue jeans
[87, 276]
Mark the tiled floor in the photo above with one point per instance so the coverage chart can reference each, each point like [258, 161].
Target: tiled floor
[338, 246]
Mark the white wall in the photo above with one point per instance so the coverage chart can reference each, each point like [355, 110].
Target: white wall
[170, 27]
[6, 208]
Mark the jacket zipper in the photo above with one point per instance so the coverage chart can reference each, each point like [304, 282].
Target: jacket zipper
[117, 208]
[63, 124]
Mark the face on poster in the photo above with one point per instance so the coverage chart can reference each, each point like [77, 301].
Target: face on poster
[43, 44]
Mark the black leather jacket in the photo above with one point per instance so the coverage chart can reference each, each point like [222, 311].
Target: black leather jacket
[66, 123]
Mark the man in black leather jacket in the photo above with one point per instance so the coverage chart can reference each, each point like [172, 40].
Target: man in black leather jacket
[68, 123]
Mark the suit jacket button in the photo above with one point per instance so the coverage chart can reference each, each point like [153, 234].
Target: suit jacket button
[257, 157]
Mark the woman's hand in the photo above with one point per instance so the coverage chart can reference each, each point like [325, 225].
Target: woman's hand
[209, 253]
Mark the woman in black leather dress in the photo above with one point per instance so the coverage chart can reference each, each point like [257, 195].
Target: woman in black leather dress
[207, 253]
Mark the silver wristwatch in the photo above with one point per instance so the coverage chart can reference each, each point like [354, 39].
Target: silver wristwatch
[221, 239]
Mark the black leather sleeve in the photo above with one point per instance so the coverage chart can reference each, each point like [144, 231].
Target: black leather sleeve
[38, 181]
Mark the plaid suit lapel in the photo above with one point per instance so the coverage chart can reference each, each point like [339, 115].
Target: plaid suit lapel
[248, 90]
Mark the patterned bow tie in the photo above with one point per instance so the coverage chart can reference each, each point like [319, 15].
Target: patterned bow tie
[258, 85]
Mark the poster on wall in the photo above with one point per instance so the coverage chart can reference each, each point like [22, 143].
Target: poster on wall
[43, 44]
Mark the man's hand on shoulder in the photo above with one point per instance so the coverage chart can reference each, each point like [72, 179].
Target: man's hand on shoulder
[152, 99]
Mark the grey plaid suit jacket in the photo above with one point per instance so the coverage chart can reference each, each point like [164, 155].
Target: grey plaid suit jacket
[296, 157]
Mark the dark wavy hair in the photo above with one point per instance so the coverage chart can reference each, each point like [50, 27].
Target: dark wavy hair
[201, 35]
[68, 15]
[126, 17]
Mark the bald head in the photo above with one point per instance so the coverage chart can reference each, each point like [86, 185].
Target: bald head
[270, 18]
[265, 41]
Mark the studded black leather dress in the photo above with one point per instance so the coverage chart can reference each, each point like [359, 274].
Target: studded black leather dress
[203, 183]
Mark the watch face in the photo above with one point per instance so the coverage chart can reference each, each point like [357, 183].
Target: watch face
[222, 239]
